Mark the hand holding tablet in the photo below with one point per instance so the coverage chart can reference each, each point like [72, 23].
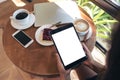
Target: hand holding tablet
[68, 46]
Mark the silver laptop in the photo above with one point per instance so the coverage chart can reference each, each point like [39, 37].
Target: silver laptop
[51, 13]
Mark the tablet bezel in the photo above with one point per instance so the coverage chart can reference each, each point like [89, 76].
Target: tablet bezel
[77, 62]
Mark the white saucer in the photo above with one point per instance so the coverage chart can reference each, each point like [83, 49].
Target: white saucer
[30, 23]
[39, 35]
[81, 37]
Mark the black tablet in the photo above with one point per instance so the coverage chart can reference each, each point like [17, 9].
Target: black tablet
[68, 46]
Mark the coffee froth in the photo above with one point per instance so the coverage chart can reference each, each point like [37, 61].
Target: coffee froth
[81, 25]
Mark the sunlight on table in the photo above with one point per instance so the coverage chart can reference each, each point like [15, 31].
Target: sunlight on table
[19, 3]
[98, 56]
[72, 11]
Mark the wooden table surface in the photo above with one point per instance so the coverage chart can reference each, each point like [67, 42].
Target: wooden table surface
[37, 59]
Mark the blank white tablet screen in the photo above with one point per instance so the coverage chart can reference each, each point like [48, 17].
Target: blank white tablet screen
[68, 45]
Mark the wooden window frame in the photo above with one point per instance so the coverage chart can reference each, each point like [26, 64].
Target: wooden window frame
[109, 8]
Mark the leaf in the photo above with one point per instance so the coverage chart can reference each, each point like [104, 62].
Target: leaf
[101, 12]
[102, 20]
[105, 21]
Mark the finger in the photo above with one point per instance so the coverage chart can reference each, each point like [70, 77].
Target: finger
[85, 48]
[90, 58]
[59, 64]
[87, 51]
[65, 74]
[60, 68]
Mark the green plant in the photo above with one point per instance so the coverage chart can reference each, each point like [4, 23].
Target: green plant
[102, 20]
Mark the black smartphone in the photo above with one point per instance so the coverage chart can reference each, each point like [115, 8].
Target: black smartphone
[68, 46]
[22, 38]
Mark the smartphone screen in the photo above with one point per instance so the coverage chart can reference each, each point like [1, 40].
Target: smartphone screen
[68, 46]
[22, 38]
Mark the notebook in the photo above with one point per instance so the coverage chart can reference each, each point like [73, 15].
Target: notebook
[53, 12]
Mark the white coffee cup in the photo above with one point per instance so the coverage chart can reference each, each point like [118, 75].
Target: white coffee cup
[20, 17]
[82, 27]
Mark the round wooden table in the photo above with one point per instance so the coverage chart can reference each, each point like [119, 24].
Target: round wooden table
[37, 59]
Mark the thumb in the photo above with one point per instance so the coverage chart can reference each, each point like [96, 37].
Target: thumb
[59, 64]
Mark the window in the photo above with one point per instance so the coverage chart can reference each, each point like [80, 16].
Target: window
[114, 3]
[112, 7]
[104, 14]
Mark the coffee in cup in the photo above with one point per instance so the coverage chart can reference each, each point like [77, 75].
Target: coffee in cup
[20, 17]
[82, 27]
